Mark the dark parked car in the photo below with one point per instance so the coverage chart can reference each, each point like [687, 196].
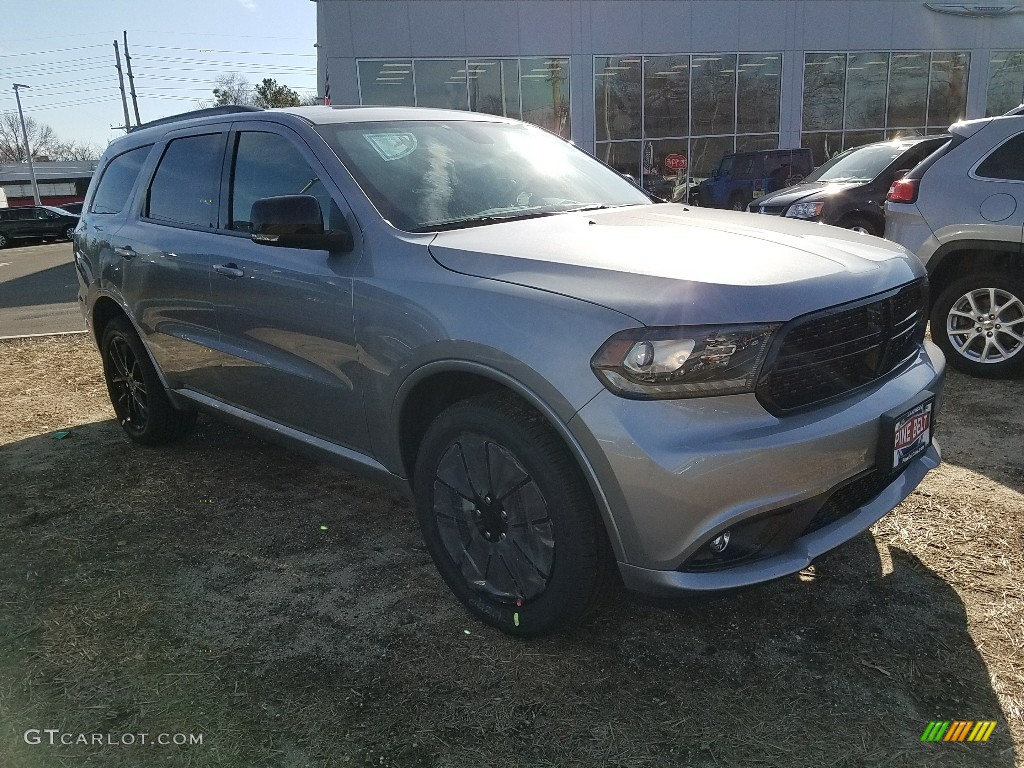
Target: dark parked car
[35, 222]
[747, 176]
[849, 190]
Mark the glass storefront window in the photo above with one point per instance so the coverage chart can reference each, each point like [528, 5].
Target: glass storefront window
[618, 97]
[824, 90]
[623, 156]
[824, 145]
[713, 94]
[947, 92]
[441, 83]
[706, 153]
[494, 87]
[758, 93]
[544, 85]
[908, 89]
[1005, 82]
[865, 90]
[755, 143]
[657, 178]
[666, 95]
[386, 83]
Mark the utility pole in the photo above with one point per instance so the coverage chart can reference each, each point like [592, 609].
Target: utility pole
[120, 79]
[131, 79]
[28, 149]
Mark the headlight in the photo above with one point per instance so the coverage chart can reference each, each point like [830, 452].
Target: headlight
[804, 210]
[683, 361]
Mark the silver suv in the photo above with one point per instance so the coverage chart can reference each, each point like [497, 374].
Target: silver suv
[564, 374]
[962, 212]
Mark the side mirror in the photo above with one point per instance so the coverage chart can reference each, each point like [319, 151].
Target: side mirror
[295, 221]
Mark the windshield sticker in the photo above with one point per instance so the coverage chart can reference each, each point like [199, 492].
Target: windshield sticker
[392, 146]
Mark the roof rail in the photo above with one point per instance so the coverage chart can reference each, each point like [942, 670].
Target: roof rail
[229, 109]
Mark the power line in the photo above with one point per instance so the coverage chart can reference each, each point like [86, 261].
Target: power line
[55, 50]
[247, 53]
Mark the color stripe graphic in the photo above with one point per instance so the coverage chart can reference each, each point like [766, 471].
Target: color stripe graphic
[958, 730]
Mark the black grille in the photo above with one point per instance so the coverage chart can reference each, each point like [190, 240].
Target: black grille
[771, 210]
[831, 353]
[849, 497]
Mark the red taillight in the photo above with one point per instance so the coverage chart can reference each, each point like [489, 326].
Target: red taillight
[903, 191]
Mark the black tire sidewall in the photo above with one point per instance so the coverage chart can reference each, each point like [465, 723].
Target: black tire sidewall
[577, 542]
[1013, 283]
[164, 422]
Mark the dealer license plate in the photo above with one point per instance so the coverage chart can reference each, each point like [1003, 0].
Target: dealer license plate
[908, 434]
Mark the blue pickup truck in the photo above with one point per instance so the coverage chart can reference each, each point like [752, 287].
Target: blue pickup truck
[745, 176]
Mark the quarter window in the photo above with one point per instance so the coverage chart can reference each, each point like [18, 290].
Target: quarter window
[117, 181]
[1007, 162]
[185, 187]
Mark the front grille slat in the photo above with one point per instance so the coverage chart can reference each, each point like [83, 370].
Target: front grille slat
[831, 353]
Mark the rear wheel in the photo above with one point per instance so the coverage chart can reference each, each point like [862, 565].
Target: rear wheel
[4, 242]
[736, 203]
[978, 322]
[69, 233]
[508, 518]
[140, 402]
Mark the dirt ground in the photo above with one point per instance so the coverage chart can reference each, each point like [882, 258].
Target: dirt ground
[288, 614]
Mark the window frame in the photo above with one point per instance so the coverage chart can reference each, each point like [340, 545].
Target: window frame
[141, 174]
[973, 173]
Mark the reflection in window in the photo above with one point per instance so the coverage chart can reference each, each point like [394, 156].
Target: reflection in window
[947, 92]
[663, 178]
[1005, 82]
[706, 154]
[865, 90]
[494, 87]
[756, 143]
[759, 89]
[824, 90]
[387, 83]
[531, 89]
[908, 89]
[441, 83]
[666, 96]
[876, 95]
[618, 97]
[623, 156]
[713, 94]
[545, 93]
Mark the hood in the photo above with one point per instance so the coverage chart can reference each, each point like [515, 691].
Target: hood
[668, 264]
[808, 190]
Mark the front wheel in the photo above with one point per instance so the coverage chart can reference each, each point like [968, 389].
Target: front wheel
[69, 233]
[140, 402]
[736, 203]
[978, 322]
[508, 518]
[4, 242]
[862, 225]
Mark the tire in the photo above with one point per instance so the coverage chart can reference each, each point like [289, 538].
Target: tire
[4, 241]
[508, 518]
[136, 392]
[861, 224]
[69, 233]
[736, 203]
[978, 322]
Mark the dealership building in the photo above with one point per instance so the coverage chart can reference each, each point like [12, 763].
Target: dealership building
[634, 81]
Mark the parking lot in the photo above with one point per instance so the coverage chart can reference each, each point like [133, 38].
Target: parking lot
[38, 290]
[288, 613]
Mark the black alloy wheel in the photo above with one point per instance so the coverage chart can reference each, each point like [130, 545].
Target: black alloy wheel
[140, 402]
[508, 518]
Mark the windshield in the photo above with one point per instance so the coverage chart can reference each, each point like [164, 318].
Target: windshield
[859, 163]
[427, 175]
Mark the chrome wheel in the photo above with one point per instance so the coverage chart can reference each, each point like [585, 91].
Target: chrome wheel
[986, 325]
[862, 230]
[3, 241]
[493, 521]
[69, 233]
[128, 386]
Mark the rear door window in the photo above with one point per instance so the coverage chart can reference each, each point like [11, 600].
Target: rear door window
[118, 179]
[186, 186]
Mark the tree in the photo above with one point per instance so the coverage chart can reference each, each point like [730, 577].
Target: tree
[41, 137]
[234, 88]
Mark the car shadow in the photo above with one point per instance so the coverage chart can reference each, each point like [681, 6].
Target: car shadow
[48, 286]
[289, 612]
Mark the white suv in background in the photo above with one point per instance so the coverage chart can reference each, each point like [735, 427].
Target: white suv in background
[962, 212]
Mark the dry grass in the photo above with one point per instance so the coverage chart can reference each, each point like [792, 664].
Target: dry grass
[192, 589]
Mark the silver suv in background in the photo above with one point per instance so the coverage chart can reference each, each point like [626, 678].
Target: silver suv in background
[962, 212]
[571, 380]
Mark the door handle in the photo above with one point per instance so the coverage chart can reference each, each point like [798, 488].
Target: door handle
[127, 252]
[228, 270]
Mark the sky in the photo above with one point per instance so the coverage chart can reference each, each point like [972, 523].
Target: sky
[63, 50]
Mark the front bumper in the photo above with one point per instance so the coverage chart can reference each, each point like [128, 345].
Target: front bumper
[677, 473]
